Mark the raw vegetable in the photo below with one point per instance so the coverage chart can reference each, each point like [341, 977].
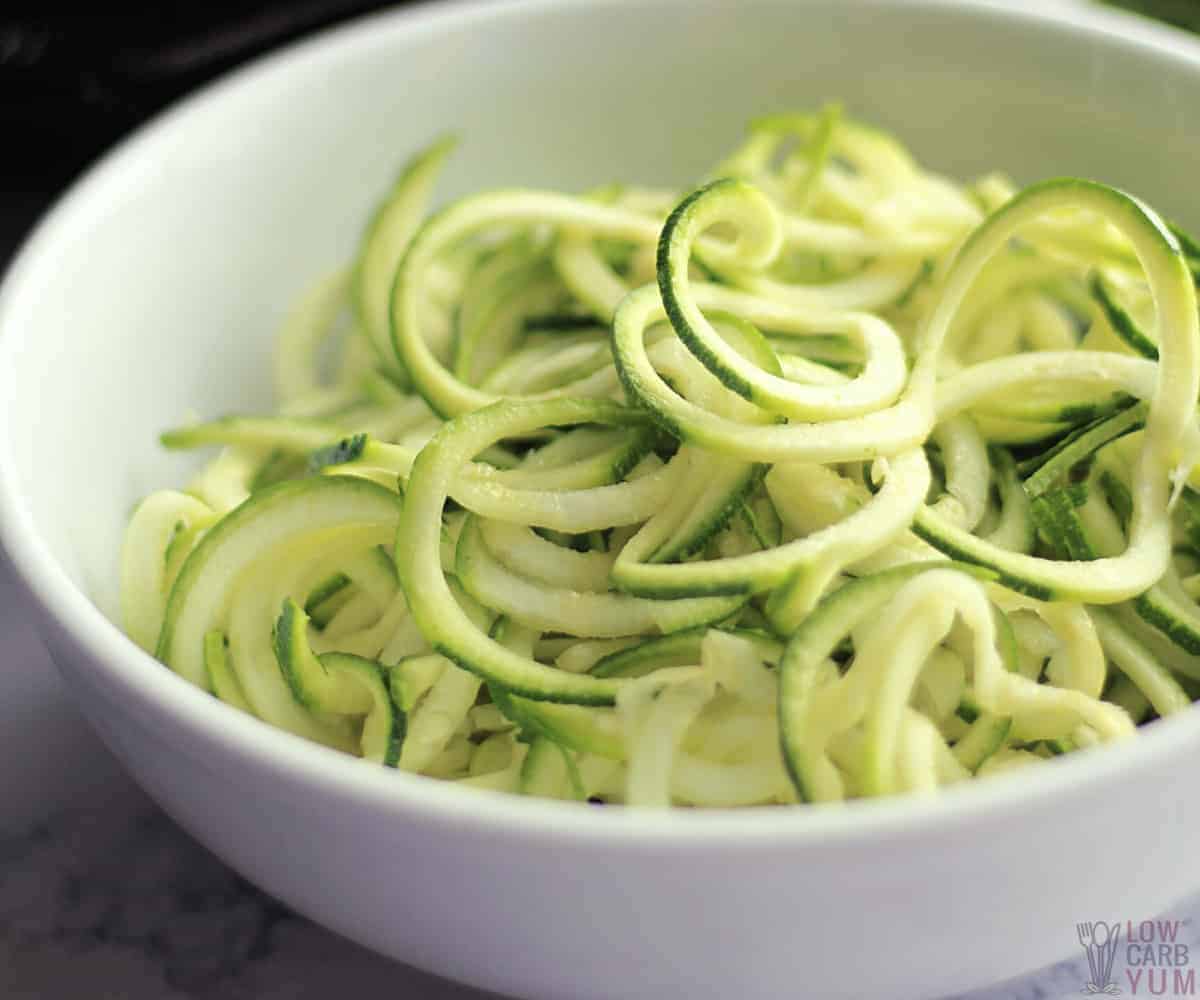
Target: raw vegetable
[827, 478]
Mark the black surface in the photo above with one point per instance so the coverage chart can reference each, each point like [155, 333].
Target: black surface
[1181, 13]
[73, 83]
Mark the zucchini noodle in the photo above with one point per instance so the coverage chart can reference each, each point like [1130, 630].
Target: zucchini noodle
[827, 478]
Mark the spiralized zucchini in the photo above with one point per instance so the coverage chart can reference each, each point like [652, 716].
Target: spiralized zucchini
[829, 478]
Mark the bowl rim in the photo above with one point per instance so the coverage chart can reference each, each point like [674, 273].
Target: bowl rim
[161, 695]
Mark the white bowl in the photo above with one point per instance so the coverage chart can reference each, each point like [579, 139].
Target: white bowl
[155, 285]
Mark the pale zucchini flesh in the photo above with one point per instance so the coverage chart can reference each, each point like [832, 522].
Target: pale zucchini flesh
[828, 478]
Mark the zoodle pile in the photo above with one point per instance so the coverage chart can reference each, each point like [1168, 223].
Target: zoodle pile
[831, 478]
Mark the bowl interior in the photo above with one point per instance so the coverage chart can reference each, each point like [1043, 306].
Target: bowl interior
[154, 290]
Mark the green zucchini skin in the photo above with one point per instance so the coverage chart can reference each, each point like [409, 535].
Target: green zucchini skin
[828, 478]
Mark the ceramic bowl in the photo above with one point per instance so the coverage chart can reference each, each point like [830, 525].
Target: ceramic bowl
[154, 287]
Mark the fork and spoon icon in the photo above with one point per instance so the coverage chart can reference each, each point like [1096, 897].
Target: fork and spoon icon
[1100, 941]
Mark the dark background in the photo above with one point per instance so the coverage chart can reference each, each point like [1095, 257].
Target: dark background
[71, 84]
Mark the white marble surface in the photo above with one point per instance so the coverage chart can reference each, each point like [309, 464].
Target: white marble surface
[103, 897]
